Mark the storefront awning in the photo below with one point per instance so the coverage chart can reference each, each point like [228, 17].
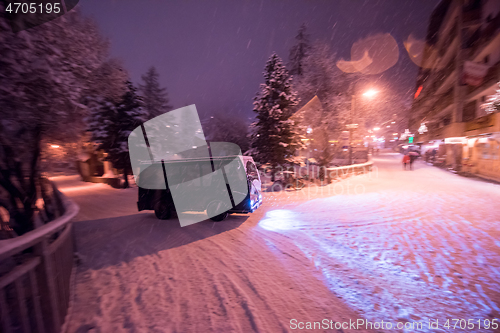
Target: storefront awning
[456, 140]
[482, 138]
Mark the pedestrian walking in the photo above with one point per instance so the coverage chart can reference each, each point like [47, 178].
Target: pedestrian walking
[406, 160]
[413, 156]
[434, 152]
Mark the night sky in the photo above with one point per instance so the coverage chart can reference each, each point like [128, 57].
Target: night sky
[212, 53]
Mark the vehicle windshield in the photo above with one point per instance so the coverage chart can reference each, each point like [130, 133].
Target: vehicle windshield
[252, 172]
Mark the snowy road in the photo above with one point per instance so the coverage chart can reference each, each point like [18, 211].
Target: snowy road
[400, 246]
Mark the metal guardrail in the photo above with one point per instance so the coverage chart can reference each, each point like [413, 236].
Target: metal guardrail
[353, 168]
[35, 291]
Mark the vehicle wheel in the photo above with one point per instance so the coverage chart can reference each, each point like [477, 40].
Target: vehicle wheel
[163, 211]
[220, 217]
[213, 207]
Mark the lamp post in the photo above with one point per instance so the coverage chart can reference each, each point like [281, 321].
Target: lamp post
[351, 127]
[369, 94]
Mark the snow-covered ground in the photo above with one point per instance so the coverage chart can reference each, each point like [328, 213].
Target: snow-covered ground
[399, 246]
[409, 246]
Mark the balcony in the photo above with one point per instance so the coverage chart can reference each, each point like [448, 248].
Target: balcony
[454, 130]
[486, 124]
[448, 131]
[491, 78]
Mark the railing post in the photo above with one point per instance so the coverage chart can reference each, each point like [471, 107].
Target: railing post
[6, 324]
[36, 302]
[48, 290]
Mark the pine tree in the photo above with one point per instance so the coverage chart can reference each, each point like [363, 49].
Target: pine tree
[111, 123]
[107, 81]
[155, 99]
[274, 139]
[299, 51]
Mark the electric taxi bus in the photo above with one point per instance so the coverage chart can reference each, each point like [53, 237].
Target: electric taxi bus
[196, 184]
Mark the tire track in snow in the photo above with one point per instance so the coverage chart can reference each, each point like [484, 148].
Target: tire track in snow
[440, 238]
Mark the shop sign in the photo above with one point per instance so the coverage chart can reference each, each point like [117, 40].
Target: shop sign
[456, 140]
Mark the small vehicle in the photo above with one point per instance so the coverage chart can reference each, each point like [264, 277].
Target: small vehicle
[194, 172]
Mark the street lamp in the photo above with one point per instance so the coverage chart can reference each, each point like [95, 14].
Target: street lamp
[368, 94]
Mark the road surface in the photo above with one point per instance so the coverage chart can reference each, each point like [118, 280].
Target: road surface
[405, 247]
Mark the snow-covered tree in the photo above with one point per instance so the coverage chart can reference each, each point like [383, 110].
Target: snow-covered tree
[111, 124]
[44, 72]
[333, 88]
[322, 148]
[108, 81]
[322, 78]
[109, 86]
[299, 51]
[274, 139]
[155, 98]
[493, 102]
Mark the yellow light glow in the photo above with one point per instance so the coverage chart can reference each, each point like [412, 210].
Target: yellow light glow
[54, 146]
[370, 93]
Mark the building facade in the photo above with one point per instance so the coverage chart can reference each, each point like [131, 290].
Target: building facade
[459, 70]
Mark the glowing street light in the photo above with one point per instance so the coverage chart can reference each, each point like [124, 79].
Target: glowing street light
[54, 146]
[370, 93]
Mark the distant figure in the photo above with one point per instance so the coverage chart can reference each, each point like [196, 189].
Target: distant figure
[406, 160]
[413, 156]
[427, 155]
[376, 152]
